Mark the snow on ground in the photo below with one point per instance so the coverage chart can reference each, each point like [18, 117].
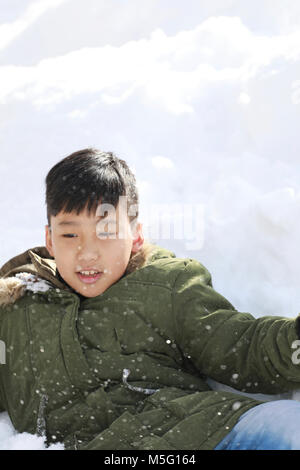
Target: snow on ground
[11, 440]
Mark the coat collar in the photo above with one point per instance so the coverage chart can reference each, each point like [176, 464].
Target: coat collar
[36, 261]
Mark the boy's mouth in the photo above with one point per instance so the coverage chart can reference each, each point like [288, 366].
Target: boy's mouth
[89, 277]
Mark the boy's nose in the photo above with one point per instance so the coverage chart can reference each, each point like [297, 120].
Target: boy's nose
[87, 253]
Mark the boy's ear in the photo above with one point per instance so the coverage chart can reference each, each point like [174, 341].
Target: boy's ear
[48, 239]
[138, 238]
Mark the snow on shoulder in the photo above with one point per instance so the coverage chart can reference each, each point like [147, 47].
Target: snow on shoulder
[33, 282]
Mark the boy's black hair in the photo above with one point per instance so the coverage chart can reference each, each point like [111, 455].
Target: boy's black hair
[85, 178]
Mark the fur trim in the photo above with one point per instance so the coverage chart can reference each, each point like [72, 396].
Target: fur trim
[137, 260]
[11, 289]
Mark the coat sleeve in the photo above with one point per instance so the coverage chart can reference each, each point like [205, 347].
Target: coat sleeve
[254, 355]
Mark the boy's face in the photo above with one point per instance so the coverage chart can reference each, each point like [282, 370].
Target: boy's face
[82, 242]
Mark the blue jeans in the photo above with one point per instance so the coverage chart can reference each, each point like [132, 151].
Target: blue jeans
[273, 425]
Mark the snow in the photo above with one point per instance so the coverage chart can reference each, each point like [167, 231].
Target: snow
[11, 440]
[34, 283]
[204, 106]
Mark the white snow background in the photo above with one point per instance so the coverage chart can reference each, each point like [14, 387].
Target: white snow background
[203, 101]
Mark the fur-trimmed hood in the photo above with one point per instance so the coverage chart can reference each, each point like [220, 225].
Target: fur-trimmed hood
[35, 269]
[33, 265]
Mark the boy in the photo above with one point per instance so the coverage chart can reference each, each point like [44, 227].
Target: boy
[109, 340]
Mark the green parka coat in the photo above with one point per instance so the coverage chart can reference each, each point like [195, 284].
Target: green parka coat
[127, 369]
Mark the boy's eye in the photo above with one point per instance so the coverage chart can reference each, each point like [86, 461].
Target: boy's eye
[99, 234]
